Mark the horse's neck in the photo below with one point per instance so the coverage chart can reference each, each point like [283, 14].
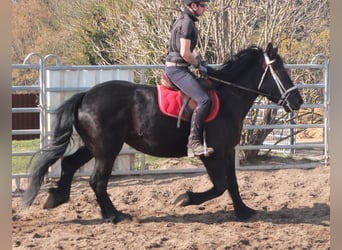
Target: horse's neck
[247, 73]
[247, 98]
[249, 103]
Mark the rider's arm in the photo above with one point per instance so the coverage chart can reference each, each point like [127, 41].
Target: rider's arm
[186, 54]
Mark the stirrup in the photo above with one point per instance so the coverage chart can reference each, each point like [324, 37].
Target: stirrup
[205, 151]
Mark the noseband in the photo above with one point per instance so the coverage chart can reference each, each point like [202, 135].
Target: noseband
[282, 90]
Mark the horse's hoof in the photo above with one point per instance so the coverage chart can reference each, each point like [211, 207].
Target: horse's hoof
[55, 199]
[245, 214]
[118, 218]
[182, 200]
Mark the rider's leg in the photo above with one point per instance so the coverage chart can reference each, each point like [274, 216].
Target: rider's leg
[195, 142]
[186, 81]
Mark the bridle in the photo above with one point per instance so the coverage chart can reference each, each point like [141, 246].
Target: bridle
[282, 90]
[283, 100]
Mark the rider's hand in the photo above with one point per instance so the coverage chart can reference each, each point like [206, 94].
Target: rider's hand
[203, 69]
[205, 63]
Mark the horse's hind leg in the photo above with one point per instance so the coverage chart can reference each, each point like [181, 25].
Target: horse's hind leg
[99, 183]
[70, 164]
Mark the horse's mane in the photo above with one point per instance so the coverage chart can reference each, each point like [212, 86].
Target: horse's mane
[238, 63]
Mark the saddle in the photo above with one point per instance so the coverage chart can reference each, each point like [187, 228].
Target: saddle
[174, 103]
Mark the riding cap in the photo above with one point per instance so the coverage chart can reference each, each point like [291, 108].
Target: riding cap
[188, 2]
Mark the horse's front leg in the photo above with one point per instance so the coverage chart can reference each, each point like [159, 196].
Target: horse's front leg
[216, 172]
[242, 211]
[99, 183]
[222, 175]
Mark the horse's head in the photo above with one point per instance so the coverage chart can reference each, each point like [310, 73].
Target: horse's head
[276, 82]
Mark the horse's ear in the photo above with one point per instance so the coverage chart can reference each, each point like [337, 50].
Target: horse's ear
[270, 51]
[275, 50]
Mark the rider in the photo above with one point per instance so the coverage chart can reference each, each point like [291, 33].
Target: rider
[182, 54]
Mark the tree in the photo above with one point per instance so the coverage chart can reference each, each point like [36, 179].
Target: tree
[299, 28]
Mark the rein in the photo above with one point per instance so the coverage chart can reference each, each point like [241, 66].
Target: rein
[240, 87]
[284, 92]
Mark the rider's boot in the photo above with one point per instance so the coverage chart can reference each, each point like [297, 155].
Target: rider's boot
[195, 145]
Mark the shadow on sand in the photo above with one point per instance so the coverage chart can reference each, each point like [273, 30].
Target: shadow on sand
[319, 214]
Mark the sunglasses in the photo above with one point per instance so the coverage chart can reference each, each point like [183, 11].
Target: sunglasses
[203, 5]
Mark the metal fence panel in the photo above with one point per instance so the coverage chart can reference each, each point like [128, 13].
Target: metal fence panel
[70, 80]
[57, 82]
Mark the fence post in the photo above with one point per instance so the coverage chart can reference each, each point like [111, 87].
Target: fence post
[142, 156]
[43, 68]
[41, 95]
[292, 133]
[326, 111]
[326, 103]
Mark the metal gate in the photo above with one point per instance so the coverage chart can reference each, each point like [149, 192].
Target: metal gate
[54, 82]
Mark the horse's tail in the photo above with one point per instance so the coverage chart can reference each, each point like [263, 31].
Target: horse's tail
[65, 119]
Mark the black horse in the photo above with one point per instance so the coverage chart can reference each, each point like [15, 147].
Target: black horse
[117, 112]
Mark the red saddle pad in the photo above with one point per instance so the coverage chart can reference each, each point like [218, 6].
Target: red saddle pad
[170, 103]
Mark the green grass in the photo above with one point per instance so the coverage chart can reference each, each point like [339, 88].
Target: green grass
[20, 164]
